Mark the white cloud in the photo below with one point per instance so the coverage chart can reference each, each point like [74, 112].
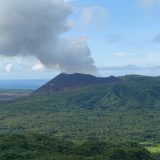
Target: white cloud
[92, 13]
[124, 54]
[38, 67]
[149, 3]
[121, 54]
[9, 67]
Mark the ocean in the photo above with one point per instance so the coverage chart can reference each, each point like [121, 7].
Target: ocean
[28, 84]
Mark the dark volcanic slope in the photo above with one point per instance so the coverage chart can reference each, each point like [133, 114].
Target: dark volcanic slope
[71, 81]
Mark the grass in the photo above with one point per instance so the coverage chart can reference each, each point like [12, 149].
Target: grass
[151, 147]
[154, 149]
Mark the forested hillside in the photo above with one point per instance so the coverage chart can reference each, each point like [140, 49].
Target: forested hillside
[122, 111]
[42, 147]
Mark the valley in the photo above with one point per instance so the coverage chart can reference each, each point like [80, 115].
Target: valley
[6, 94]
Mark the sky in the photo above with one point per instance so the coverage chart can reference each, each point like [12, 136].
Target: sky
[43, 38]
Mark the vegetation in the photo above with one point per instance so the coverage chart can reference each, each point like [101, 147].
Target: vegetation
[93, 123]
[40, 147]
[16, 91]
[11, 94]
[126, 111]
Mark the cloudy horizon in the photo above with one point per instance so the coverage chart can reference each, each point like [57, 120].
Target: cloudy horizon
[40, 39]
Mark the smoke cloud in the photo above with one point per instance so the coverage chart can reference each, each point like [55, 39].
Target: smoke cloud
[36, 28]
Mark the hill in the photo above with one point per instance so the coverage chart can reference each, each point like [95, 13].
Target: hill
[127, 110]
[71, 81]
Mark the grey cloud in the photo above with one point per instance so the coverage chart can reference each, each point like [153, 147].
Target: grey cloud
[114, 38]
[153, 70]
[156, 39]
[119, 68]
[36, 28]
